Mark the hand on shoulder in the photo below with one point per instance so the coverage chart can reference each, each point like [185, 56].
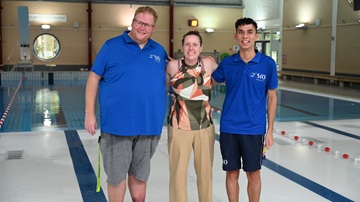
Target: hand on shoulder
[170, 59]
[210, 63]
[208, 58]
[172, 68]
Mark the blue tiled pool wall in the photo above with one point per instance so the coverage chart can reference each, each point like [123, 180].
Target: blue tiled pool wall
[11, 79]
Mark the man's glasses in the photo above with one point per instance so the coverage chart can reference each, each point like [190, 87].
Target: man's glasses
[140, 24]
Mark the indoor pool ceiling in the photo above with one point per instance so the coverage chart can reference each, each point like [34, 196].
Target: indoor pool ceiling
[216, 3]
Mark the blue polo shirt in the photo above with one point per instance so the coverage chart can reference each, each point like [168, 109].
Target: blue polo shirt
[132, 91]
[244, 107]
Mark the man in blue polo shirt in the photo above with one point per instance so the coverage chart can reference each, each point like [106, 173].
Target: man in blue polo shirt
[129, 72]
[251, 81]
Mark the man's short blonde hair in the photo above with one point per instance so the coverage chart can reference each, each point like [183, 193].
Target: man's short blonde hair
[147, 9]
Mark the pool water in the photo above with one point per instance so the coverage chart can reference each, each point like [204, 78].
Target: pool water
[39, 106]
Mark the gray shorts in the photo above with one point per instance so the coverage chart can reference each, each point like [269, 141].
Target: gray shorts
[124, 155]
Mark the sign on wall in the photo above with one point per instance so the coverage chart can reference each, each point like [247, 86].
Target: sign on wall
[44, 18]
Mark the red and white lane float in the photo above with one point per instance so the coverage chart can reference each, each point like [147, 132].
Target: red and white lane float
[320, 146]
[6, 112]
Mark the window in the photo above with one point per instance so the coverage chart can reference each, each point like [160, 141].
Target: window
[46, 47]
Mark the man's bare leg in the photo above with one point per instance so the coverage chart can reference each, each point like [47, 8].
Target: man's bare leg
[254, 186]
[137, 189]
[232, 185]
[117, 193]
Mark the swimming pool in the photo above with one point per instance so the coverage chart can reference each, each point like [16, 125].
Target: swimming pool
[36, 105]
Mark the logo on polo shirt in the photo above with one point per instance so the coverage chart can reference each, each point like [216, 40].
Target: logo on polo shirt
[258, 76]
[156, 57]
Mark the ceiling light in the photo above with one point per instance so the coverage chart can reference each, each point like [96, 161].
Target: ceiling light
[301, 26]
[45, 26]
[209, 30]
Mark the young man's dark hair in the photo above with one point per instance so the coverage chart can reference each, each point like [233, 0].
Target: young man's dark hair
[245, 21]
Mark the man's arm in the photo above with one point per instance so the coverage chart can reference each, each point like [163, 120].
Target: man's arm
[271, 112]
[92, 86]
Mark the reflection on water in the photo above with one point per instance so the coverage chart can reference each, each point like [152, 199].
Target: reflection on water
[47, 102]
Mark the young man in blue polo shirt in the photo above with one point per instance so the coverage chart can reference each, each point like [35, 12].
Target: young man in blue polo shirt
[129, 72]
[251, 81]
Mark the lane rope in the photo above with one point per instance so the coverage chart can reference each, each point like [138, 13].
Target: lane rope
[319, 146]
[6, 112]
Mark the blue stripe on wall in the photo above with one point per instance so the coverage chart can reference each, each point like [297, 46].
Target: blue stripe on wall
[84, 171]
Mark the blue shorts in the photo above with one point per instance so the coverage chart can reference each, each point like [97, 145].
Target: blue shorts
[241, 151]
